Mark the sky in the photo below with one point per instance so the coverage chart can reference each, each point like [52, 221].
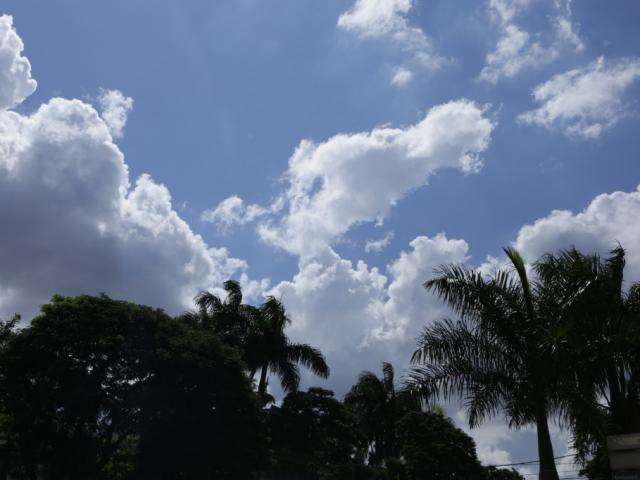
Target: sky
[328, 153]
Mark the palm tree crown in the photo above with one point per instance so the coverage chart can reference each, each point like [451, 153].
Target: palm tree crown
[377, 406]
[602, 359]
[259, 333]
[498, 354]
[270, 350]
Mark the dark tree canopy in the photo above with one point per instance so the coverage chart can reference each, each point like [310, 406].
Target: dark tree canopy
[314, 436]
[431, 446]
[93, 380]
[99, 389]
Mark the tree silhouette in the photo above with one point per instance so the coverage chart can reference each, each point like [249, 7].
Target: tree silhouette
[268, 349]
[498, 354]
[259, 333]
[599, 345]
[377, 406]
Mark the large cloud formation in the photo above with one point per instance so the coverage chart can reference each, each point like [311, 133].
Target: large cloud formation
[354, 178]
[609, 219]
[360, 316]
[71, 220]
[16, 83]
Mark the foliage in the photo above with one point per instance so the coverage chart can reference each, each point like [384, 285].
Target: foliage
[377, 406]
[599, 346]
[100, 389]
[90, 376]
[199, 417]
[493, 473]
[314, 437]
[431, 446]
[498, 355]
[259, 333]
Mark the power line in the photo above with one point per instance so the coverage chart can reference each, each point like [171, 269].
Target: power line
[559, 473]
[528, 462]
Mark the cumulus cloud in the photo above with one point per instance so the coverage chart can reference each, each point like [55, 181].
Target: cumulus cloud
[387, 19]
[115, 108]
[585, 101]
[517, 50]
[73, 223]
[408, 305]
[379, 244]
[360, 316]
[608, 219]
[232, 211]
[16, 83]
[355, 178]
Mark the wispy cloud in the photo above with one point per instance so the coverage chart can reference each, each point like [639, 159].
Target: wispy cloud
[585, 101]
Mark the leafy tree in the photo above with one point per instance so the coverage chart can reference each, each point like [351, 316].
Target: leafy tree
[199, 416]
[268, 349]
[599, 346]
[230, 319]
[377, 407]
[431, 446]
[493, 473]
[68, 383]
[499, 354]
[314, 437]
[259, 333]
[97, 388]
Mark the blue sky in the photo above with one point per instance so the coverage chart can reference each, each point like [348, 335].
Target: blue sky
[225, 92]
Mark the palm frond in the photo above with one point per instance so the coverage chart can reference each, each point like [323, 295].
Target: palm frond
[288, 374]
[388, 376]
[519, 265]
[208, 302]
[458, 286]
[275, 314]
[308, 356]
[234, 293]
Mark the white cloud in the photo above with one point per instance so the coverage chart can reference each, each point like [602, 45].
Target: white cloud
[387, 19]
[408, 306]
[402, 77]
[76, 225]
[355, 178]
[608, 219]
[359, 316]
[16, 83]
[376, 18]
[504, 11]
[517, 50]
[330, 302]
[586, 101]
[379, 244]
[232, 211]
[115, 108]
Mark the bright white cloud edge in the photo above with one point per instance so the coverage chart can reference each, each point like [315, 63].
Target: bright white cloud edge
[78, 225]
[584, 102]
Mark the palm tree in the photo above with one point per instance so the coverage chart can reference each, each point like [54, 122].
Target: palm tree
[498, 354]
[377, 406]
[269, 350]
[259, 334]
[229, 318]
[601, 349]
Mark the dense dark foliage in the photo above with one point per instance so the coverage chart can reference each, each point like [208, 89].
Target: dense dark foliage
[95, 388]
[562, 344]
[314, 436]
[93, 380]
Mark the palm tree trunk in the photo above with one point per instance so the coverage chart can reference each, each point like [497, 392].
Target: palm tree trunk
[262, 386]
[545, 448]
